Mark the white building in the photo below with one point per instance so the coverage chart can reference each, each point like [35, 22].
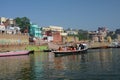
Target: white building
[2, 19]
[2, 27]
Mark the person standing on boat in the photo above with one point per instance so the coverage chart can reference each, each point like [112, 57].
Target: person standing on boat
[81, 46]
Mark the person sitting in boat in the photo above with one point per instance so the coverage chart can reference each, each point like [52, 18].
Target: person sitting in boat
[72, 48]
[65, 48]
[60, 48]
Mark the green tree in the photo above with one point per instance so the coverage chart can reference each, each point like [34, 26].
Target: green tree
[23, 23]
[112, 34]
[83, 35]
[117, 31]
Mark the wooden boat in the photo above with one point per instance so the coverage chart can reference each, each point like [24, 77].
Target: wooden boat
[47, 50]
[14, 53]
[80, 49]
[70, 51]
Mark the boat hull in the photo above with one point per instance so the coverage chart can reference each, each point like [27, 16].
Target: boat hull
[14, 53]
[70, 52]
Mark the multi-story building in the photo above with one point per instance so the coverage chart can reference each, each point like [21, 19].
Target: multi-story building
[53, 28]
[2, 19]
[71, 32]
[118, 36]
[2, 28]
[56, 28]
[12, 22]
[53, 33]
[102, 31]
[8, 26]
[35, 31]
[7, 21]
[98, 35]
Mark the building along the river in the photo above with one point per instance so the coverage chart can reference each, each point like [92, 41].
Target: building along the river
[35, 31]
[53, 33]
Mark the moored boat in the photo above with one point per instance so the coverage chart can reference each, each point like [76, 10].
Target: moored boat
[14, 53]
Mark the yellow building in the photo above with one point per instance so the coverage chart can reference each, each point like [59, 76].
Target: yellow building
[53, 28]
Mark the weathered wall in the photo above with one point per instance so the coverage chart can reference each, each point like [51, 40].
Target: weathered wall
[72, 39]
[98, 44]
[57, 37]
[13, 39]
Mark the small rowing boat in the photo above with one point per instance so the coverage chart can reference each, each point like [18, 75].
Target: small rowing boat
[14, 53]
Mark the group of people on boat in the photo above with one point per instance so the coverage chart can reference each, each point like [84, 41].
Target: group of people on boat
[72, 48]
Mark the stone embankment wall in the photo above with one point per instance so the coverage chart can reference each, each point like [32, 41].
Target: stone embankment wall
[98, 44]
[90, 45]
[12, 40]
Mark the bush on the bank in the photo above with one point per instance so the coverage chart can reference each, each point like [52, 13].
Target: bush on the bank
[36, 48]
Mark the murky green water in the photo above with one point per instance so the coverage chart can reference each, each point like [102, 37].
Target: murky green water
[100, 64]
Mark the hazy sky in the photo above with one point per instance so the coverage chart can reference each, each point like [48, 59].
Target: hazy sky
[77, 14]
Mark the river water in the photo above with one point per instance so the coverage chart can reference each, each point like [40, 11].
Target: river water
[98, 64]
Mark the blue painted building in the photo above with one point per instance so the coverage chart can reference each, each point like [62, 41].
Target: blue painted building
[35, 31]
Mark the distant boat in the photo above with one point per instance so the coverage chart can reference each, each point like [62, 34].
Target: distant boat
[14, 53]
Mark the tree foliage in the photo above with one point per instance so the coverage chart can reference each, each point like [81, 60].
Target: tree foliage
[117, 31]
[112, 35]
[23, 23]
[83, 35]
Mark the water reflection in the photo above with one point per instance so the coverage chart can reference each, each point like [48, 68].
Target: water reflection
[70, 62]
[14, 67]
[100, 64]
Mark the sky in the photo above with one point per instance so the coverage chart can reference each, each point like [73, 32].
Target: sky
[75, 14]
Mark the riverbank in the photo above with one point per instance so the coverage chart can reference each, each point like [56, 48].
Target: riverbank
[5, 48]
[91, 45]
[12, 47]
